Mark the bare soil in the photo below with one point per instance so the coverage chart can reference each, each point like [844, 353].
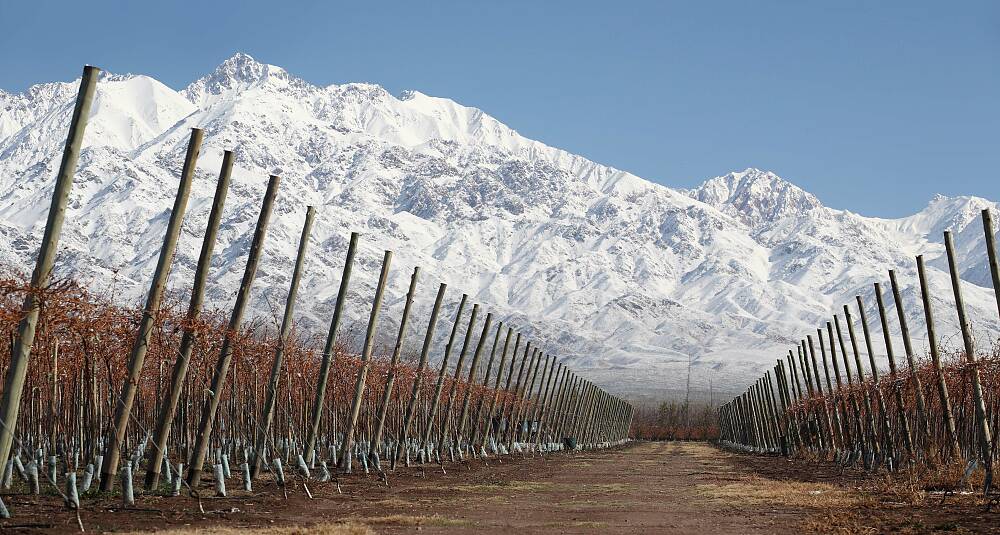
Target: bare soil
[658, 487]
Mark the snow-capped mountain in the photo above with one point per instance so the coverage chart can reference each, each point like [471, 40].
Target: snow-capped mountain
[624, 277]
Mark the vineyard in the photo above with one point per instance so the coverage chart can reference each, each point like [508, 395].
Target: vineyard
[932, 418]
[173, 399]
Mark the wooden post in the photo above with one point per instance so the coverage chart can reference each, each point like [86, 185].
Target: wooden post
[858, 428]
[921, 430]
[436, 400]
[267, 413]
[556, 400]
[418, 378]
[946, 412]
[873, 442]
[991, 253]
[20, 354]
[477, 429]
[985, 437]
[331, 342]
[491, 412]
[827, 421]
[168, 408]
[391, 378]
[897, 389]
[226, 353]
[525, 396]
[457, 377]
[366, 354]
[546, 400]
[138, 355]
[471, 381]
[509, 435]
[887, 430]
[841, 411]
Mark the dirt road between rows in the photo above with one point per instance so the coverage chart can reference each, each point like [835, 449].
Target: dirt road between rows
[662, 487]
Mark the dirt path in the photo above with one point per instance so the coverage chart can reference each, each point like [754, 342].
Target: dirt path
[641, 488]
[666, 487]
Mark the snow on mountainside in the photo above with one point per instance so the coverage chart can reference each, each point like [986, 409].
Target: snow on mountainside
[624, 277]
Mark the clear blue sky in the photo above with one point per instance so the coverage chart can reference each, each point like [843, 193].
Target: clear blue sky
[873, 106]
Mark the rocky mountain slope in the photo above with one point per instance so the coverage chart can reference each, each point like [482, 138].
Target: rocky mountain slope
[625, 278]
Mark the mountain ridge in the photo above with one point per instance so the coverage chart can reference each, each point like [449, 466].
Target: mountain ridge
[622, 276]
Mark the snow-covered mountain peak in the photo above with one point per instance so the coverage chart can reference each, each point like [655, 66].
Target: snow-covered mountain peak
[237, 74]
[755, 197]
[622, 277]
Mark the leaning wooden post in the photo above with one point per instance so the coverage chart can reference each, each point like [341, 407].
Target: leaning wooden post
[525, 398]
[138, 354]
[448, 408]
[471, 381]
[267, 413]
[567, 406]
[546, 400]
[331, 341]
[804, 364]
[921, 427]
[517, 388]
[546, 375]
[559, 389]
[418, 378]
[896, 380]
[226, 353]
[168, 407]
[491, 412]
[870, 419]
[858, 428]
[991, 253]
[477, 428]
[21, 351]
[985, 437]
[393, 364]
[366, 354]
[880, 398]
[827, 424]
[436, 400]
[840, 412]
[946, 412]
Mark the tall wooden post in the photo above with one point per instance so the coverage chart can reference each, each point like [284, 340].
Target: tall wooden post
[331, 341]
[946, 412]
[471, 381]
[869, 409]
[20, 353]
[921, 430]
[491, 412]
[267, 413]
[985, 436]
[858, 428]
[226, 354]
[168, 407]
[887, 430]
[138, 355]
[457, 377]
[393, 364]
[896, 387]
[366, 354]
[991, 254]
[436, 400]
[477, 429]
[418, 378]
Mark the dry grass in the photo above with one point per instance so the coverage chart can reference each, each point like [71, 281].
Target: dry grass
[754, 490]
[413, 520]
[349, 528]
